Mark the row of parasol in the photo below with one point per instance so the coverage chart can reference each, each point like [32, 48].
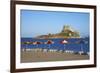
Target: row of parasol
[64, 42]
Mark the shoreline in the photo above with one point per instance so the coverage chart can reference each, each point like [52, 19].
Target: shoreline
[44, 56]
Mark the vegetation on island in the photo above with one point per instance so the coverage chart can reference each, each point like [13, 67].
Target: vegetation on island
[67, 32]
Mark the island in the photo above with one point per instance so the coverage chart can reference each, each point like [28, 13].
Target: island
[66, 32]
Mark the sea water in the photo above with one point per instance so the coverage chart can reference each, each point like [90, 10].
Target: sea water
[72, 45]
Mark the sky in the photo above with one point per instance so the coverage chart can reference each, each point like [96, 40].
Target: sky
[35, 22]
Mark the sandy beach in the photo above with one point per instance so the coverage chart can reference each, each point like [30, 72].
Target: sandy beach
[40, 56]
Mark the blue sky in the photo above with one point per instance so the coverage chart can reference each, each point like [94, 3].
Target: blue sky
[34, 23]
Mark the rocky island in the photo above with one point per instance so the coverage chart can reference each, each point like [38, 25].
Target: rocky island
[66, 32]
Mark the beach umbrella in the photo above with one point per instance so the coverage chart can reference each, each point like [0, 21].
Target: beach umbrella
[26, 45]
[64, 42]
[49, 42]
[37, 43]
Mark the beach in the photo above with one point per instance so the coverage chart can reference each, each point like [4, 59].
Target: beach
[41, 56]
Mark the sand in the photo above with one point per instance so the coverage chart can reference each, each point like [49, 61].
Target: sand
[40, 56]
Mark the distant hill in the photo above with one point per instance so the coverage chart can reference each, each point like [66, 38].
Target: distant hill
[67, 32]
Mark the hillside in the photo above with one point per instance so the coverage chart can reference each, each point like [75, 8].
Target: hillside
[67, 32]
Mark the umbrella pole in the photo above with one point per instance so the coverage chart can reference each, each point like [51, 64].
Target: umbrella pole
[64, 48]
[25, 47]
[49, 47]
[81, 48]
[37, 47]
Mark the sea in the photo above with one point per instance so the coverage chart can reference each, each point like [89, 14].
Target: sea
[74, 44]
